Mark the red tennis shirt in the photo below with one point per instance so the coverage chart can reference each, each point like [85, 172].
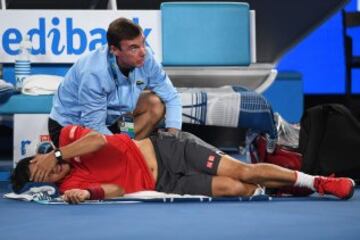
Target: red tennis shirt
[118, 162]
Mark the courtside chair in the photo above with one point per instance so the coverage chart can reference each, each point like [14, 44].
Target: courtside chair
[212, 44]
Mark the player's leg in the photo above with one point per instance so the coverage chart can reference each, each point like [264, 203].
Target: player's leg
[226, 186]
[273, 176]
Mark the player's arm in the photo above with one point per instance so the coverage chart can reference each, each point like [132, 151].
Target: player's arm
[89, 143]
[104, 191]
[44, 163]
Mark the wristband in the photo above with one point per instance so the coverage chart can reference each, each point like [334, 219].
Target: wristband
[96, 193]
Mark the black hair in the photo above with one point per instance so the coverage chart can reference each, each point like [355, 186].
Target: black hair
[21, 174]
[122, 29]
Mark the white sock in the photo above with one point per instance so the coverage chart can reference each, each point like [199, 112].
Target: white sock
[304, 180]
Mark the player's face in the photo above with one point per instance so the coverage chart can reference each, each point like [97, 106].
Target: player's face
[57, 173]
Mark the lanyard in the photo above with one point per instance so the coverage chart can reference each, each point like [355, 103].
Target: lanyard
[113, 67]
[114, 70]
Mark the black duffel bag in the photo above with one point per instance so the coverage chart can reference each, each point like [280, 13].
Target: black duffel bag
[330, 141]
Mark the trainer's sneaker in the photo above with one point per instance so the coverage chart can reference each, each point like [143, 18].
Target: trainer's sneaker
[340, 187]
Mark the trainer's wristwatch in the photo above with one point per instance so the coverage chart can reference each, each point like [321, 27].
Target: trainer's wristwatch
[58, 155]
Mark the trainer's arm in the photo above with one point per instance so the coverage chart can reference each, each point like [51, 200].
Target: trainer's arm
[105, 191]
[44, 163]
[162, 86]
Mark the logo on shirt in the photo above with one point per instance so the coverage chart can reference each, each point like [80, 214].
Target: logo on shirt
[139, 82]
[77, 159]
[45, 138]
[210, 161]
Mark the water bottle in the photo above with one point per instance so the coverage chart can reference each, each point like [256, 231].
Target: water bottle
[23, 63]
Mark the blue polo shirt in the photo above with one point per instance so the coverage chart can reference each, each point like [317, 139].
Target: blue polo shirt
[95, 93]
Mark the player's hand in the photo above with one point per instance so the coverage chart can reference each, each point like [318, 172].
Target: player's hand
[75, 196]
[43, 164]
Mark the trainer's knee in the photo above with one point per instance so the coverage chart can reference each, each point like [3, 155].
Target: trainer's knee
[156, 106]
[151, 104]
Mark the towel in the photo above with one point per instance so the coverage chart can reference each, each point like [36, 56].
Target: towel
[211, 106]
[228, 106]
[158, 197]
[34, 192]
[41, 84]
[47, 194]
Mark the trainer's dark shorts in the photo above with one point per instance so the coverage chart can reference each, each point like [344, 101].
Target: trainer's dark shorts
[185, 163]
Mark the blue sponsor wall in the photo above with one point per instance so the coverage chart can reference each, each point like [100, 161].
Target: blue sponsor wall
[320, 57]
[12, 37]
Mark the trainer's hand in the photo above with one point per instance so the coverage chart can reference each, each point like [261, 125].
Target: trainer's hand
[172, 130]
[75, 196]
[43, 164]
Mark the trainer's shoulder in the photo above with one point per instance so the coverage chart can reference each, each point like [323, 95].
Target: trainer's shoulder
[93, 67]
[95, 60]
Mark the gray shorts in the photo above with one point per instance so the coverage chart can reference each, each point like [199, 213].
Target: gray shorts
[186, 164]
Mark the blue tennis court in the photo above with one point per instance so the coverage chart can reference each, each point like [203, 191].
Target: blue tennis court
[293, 218]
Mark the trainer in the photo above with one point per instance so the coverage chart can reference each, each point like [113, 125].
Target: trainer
[122, 78]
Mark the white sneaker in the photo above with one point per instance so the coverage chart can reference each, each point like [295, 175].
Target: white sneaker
[270, 144]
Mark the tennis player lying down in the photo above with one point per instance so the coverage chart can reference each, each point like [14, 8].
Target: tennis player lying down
[89, 165]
